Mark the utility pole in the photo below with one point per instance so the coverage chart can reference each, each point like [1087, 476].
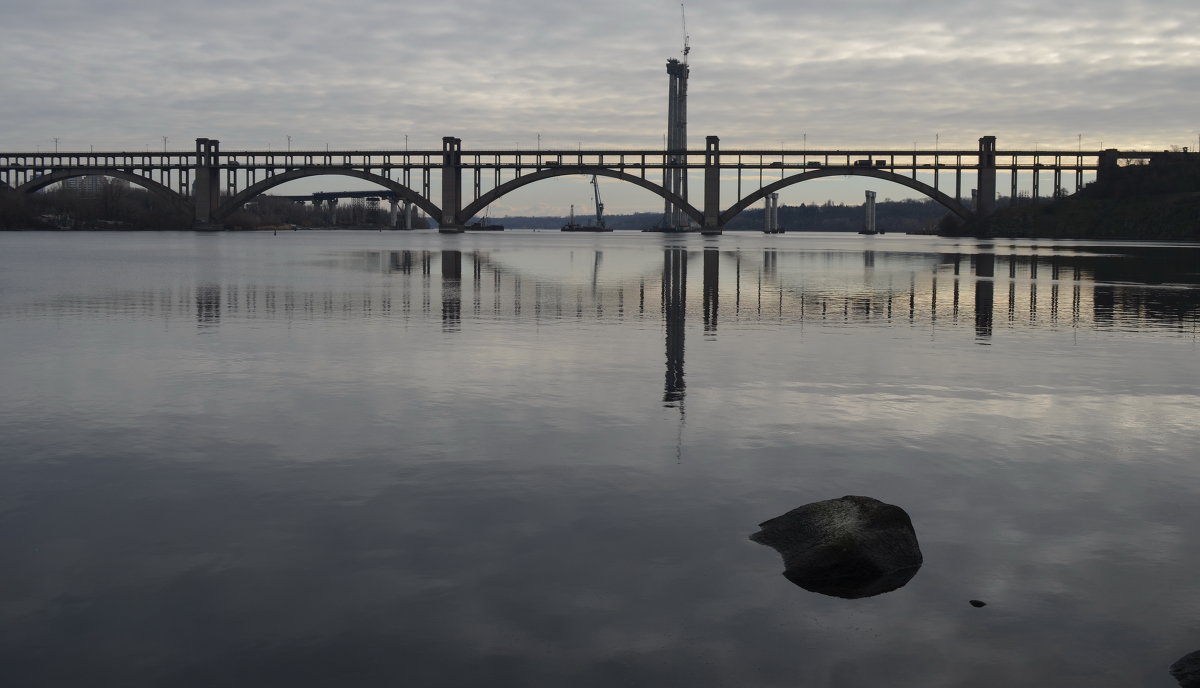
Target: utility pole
[164, 144]
[55, 144]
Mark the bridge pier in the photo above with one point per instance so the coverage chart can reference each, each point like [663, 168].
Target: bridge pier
[207, 190]
[985, 185]
[712, 186]
[1106, 165]
[451, 185]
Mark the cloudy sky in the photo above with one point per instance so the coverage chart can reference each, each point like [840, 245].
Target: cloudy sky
[366, 73]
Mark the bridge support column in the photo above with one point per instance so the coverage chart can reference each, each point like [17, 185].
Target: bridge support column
[451, 185]
[206, 191]
[1106, 165]
[985, 200]
[712, 186]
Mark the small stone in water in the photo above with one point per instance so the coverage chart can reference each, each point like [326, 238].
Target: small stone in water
[978, 603]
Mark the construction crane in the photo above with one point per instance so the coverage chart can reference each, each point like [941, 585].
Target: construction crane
[599, 205]
[686, 39]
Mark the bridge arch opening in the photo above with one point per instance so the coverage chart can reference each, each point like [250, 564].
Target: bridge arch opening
[836, 183]
[95, 198]
[332, 200]
[232, 204]
[88, 179]
[543, 204]
[574, 179]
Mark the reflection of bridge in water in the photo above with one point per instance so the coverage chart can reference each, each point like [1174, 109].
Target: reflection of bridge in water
[988, 292]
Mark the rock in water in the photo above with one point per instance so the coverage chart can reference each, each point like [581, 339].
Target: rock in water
[1187, 670]
[849, 547]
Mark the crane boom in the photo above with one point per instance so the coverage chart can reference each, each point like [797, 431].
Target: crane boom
[599, 205]
[686, 39]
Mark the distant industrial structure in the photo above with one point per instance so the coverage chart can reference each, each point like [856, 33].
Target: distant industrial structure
[771, 214]
[364, 206]
[869, 219]
[90, 186]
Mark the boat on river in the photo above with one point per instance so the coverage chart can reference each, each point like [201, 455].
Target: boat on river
[484, 226]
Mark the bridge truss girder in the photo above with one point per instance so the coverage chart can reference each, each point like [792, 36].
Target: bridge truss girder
[241, 175]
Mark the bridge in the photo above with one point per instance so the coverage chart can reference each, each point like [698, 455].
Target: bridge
[210, 184]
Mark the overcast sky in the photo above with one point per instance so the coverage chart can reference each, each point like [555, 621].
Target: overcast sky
[365, 73]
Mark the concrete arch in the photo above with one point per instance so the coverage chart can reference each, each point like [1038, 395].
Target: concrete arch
[950, 203]
[271, 182]
[150, 185]
[546, 173]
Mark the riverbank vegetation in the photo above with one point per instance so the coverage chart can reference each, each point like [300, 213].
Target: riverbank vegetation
[1156, 201]
[118, 205]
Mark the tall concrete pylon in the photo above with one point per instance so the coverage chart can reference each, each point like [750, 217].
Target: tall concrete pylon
[675, 172]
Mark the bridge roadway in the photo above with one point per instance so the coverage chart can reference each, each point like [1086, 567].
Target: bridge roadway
[211, 184]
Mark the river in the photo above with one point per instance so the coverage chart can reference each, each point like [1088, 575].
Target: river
[535, 459]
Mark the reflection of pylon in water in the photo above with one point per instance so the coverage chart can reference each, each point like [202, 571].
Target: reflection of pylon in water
[674, 295]
[674, 308]
[679, 436]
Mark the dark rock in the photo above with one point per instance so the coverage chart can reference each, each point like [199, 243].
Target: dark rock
[978, 603]
[1187, 670]
[850, 547]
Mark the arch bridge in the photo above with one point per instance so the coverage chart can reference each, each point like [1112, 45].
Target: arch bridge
[452, 185]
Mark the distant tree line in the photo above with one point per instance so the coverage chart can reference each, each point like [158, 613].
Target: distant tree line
[115, 205]
[104, 206]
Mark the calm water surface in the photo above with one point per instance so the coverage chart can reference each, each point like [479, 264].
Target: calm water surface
[531, 459]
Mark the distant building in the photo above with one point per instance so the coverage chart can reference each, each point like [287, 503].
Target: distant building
[92, 185]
